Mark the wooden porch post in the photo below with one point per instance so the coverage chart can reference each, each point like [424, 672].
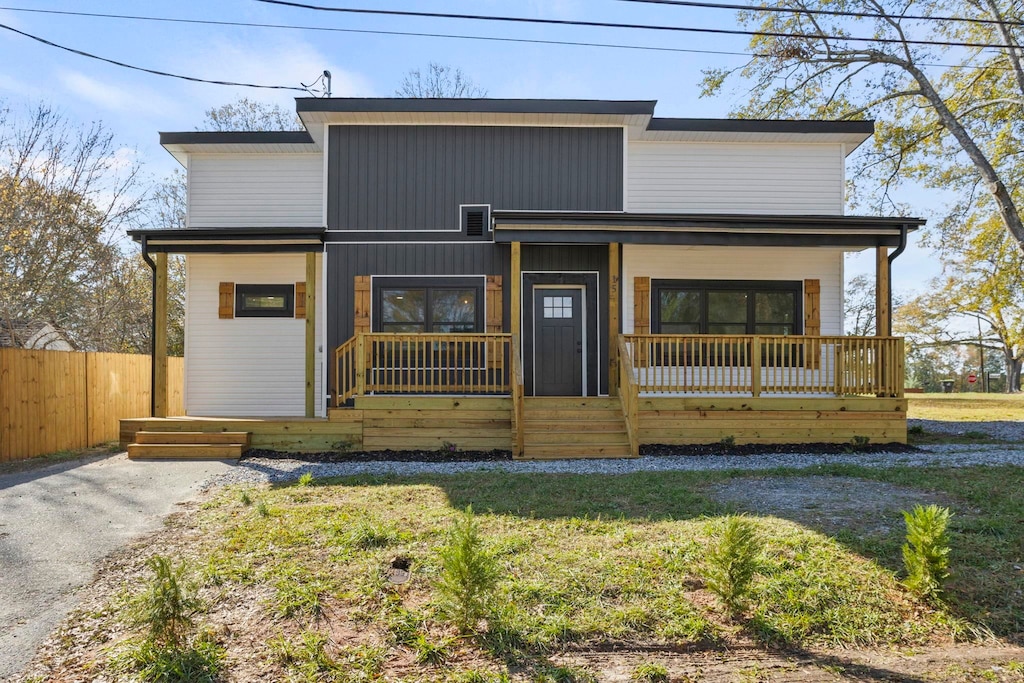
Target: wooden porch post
[613, 319]
[160, 339]
[311, 334]
[516, 293]
[882, 292]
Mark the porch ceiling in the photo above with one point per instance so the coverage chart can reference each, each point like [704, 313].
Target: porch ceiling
[700, 229]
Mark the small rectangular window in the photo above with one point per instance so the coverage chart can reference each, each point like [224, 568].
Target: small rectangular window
[264, 301]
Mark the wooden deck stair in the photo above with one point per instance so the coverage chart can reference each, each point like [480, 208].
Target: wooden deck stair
[189, 445]
[568, 427]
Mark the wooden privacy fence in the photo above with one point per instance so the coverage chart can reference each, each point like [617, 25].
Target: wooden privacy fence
[61, 400]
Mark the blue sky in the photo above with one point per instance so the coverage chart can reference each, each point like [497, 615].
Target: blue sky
[135, 106]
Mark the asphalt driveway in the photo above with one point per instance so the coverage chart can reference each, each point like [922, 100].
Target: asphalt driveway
[58, 522]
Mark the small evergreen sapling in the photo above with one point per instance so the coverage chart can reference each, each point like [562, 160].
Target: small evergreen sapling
[732, 562]
[926, 552]
[469, 574]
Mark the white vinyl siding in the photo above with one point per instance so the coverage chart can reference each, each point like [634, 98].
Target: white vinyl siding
[246, 367]
[690, 177]
[738, 263]
[255, 190]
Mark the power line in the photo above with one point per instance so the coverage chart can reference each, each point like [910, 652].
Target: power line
[145, 70]
[412, 34]
[827, 12]
[608, 24]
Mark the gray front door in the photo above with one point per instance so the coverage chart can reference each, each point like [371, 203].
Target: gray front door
[558, 342]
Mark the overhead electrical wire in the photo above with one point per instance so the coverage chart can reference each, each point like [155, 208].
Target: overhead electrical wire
[618, 25]
[827, 12]
[154, 72]
[413, 34]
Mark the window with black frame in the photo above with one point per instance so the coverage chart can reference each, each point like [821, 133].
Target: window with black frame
[698, 307]
[430, 306]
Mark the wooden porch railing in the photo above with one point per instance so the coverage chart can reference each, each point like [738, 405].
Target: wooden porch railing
[756, 365]
[629, 395]
[388, 363]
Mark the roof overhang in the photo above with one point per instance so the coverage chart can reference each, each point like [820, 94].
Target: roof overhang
[564, 227]
[238, 142]
[850, 133]
[230, 240]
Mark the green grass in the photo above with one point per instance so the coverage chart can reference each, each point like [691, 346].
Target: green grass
[584, 560]
[972, 407]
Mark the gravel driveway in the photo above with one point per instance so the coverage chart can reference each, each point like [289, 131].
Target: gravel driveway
[56, 523]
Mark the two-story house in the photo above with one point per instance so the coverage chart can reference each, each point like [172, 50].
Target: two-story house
[554, 277]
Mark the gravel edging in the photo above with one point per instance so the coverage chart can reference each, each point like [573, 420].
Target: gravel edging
[262, 470]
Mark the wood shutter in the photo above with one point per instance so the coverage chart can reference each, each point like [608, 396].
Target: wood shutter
[812, 307]
[300, 300]
[226, 306]
[361, 324]
[495, 305]
[495, 316]
[812, 323]
[641, 305]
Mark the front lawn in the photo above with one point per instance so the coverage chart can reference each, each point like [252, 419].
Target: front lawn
[294, 579]
[972, 407]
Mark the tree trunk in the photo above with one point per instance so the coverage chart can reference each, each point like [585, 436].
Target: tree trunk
[1013, 370]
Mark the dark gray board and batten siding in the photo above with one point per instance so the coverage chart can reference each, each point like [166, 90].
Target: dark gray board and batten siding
[415, 177]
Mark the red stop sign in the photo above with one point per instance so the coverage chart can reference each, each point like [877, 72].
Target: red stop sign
[972, 378]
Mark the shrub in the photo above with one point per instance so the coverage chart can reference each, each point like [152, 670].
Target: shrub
[306, 479]
[732, 562]
[926, 552]
[469, 574]
[167, 606]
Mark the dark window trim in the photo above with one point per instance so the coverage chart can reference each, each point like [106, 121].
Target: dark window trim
[795, 286]
[243, 290]
[474, 282]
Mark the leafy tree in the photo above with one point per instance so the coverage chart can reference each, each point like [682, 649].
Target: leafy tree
[439, 80]
[982, 282]
[952, 119]
[66, 195]
[246, 114]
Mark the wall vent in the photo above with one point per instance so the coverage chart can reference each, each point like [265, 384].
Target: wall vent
[475, 219]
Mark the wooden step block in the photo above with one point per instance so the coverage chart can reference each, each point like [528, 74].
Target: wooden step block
[567, 414]
[562, 451]
[192, 438]
[570, 438]
[191, 451]
[601, 425]
[572, 402]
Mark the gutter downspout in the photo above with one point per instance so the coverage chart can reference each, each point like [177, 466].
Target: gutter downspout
[892, 257]
[152, 328]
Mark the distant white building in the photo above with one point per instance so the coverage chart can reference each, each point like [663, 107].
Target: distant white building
[32, 334]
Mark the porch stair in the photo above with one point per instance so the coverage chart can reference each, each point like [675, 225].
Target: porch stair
[189, 445]
[570, 427]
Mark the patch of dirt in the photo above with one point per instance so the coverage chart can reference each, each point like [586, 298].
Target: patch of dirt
[827, 503]
[661, 449]
[955, 664]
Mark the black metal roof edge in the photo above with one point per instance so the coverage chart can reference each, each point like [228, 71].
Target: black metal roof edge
[474, 106]
[696, 219]
[670, 237]
[760, 126]
[237, 137]
[185, 234]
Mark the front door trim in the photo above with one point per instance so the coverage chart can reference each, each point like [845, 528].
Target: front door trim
[590, 281]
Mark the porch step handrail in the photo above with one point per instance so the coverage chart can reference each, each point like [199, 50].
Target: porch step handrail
[517, 382]
[754, 365]
[400, 363]
[629, 395]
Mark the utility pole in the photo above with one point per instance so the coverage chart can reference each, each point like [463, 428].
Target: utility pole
[981, 352]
